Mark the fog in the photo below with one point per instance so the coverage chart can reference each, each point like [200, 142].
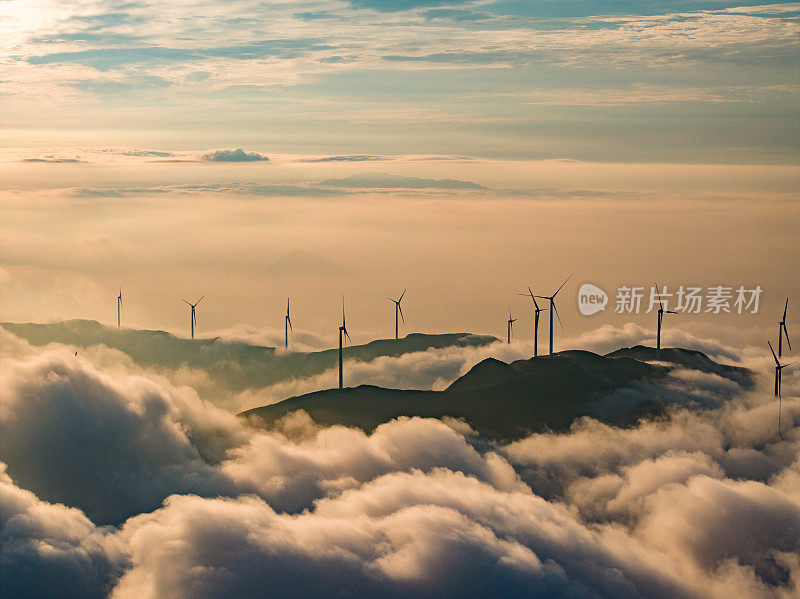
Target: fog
[73, 234]
[164, 494]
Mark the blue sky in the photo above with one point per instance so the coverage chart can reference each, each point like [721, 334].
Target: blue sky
[615, 81]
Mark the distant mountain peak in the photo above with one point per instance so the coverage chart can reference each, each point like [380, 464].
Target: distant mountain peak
[299, 263]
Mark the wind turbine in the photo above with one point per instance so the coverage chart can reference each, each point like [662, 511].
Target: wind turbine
[782, 331]
[287, 325]
[193, 318]
[342, 334]
[661, 312]
[552, 298]
[511, 322]
[119, 306]
[398, 310]
[778, 368]
[536, 311]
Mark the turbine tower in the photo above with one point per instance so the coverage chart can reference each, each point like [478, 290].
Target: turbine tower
[536, 311]
[552, 298]
[778, 368]
[193, 317]
[119, 306]
[511, 322]
[287, 325]
[342, 334]
[661, 312]
[782, 331]
[398, 310]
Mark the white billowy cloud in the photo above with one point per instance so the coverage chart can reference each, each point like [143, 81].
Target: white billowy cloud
[706, 504]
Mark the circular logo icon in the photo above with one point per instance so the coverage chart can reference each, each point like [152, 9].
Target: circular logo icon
[591, 299]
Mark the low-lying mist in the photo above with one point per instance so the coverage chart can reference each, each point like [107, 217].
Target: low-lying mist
[118, 481]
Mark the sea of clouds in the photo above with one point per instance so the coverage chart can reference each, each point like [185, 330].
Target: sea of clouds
[120, 482]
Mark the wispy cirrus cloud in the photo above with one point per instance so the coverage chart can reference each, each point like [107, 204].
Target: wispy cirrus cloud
[53, 160]
[389, 181]
[336, 51]
[350, 158]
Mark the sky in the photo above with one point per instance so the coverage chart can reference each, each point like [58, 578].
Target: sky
[343, 151]
[676, 81]
[183, 150]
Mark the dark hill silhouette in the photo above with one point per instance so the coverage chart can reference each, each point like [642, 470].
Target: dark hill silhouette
[508, 401]
[238, 365]
[687, 358]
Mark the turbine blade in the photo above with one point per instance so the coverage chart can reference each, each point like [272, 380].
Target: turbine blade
[530, 294]
[660, 305]
[562, 284]
[399, 307]
[289, 320]
[786, 334]
[782, 366]
[187, 303]
[402, 294]
[557, 316]
[200, 300]
[785, 307]
[773, 354]
[669, 312]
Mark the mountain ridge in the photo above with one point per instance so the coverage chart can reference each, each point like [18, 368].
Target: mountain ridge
[505, 401]
[238, 364]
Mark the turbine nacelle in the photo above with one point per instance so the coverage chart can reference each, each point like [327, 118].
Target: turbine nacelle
[193, 317]
[194, 305]
[778, 365]
[397, 304]
[536, 307]
[343, 328]
[119, 307]
[778, 370]
[782, 330]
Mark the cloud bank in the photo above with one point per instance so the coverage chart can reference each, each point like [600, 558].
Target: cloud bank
[388, 181]
[706, 504]
[237, 155]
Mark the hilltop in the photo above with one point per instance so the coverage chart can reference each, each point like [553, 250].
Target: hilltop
[508, 401]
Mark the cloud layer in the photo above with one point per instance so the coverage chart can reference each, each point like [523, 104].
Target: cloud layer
[449, 77]
[237, 155]
[705, 504]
